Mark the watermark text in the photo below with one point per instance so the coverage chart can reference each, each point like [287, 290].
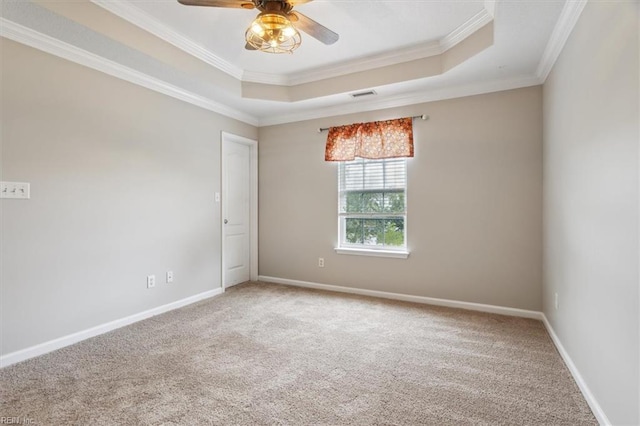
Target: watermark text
[16, 420]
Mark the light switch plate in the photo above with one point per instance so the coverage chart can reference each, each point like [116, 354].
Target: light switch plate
[15, 190]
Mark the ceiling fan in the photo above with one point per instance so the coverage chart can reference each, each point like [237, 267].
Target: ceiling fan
[273, 31]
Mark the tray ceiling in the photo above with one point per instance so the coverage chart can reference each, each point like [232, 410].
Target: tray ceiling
[407, 51]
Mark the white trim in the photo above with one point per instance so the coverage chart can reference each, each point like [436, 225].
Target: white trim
[478, 21]
[64, 50]
[61, 342]
[490, 6]
[35, 39]
[265, 78]
[397, 56]
[582, 385]
[367, 63]
[136, 16]
[400, 254]
[404, 100]
[584, 389]
[567, 20]
[253, 203]
[523, 313]
[254, 211]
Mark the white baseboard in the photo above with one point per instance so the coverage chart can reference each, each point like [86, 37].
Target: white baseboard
[43, 348]
[52, 345]
[409, 298]
[586, 392]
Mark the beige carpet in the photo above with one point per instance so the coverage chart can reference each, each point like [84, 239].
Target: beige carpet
[269, 354]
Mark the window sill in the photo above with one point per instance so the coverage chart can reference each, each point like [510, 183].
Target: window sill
[375, 253]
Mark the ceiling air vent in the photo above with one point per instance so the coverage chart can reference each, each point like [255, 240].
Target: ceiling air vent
[362, 94]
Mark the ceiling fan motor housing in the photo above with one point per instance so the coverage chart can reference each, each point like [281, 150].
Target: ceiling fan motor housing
[274, 6]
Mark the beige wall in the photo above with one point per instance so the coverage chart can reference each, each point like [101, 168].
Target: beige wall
[474, 203]
[591, 203]
[122, 182]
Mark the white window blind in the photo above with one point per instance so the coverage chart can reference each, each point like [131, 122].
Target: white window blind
[372, 203]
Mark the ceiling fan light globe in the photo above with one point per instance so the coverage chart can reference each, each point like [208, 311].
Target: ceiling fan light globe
[273, 33]
[257, 28]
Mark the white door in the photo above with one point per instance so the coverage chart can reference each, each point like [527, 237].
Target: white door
[236, 211]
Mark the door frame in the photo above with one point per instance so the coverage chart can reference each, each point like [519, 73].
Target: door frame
[253, 203]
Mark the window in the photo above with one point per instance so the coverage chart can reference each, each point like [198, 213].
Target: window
[372, 204]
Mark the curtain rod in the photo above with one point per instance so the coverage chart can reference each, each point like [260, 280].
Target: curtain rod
[422, 117]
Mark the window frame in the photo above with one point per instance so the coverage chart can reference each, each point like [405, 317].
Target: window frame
[372, 250]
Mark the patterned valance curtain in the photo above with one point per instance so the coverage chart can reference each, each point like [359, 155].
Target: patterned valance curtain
[375, 140]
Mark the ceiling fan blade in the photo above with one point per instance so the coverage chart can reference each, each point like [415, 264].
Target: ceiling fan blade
[249, 47]
[315, 30]
[238, 4]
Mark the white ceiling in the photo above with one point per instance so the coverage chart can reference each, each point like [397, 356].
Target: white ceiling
[365, 27]
[137, 39]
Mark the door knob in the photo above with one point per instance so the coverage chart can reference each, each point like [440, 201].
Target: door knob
[226, 221]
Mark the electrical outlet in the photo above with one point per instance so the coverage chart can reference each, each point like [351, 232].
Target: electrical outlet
[321, 262]
[169, 276]
[555, 300]
[151, 281]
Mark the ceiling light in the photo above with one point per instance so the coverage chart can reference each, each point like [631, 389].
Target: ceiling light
[272, 32]
[256, 28]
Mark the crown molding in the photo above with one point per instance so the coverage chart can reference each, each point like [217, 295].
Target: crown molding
[265, 78]
[396, 56]
[363, 64]
[367, 63]
[478, 21]
[566, 22]
[40, 41]
[139, 18]
[405, 100]
[490, 7]
[131, 13]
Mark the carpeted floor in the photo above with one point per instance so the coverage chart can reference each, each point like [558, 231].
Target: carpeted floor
[270, 354]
